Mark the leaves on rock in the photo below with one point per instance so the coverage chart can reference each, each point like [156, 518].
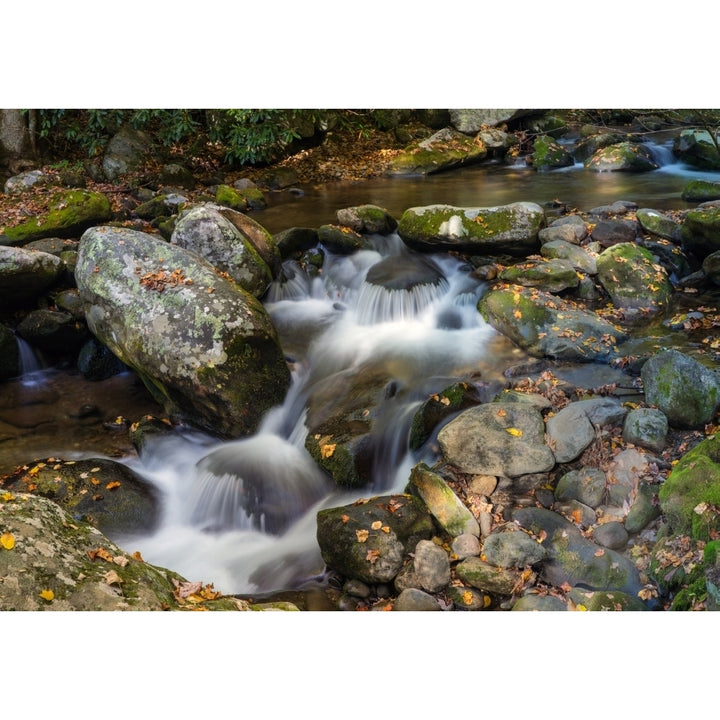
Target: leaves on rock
[7, 540]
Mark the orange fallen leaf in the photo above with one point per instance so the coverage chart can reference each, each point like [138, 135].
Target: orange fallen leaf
[376, 525]
[362, 535]
[112, 485]
[344, 518]
[137, 556]
[599, 552]
[101, 553]
[372, 556]
[48, 595]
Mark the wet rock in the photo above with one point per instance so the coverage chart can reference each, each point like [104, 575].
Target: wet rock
[544, 325]
[701, 191]
[513, 548]
[25, 274]
[622, 157]
[368, 219]
[489, 578]
[697, 148]
[612, 232]
[550, 275]
[432, 566]
[588, 146]
[442, 502]
[533, 602]
[645, 508]
[205, 348]
[511, 229]
[497, 439]
[700, 232]
[9, 354]
[655, 222]
[104, 493]
[611, 535]
[295, 240]
[465, 598]
[338, 240]
[578, 257]
[633, 279]
[604, 601]
[368, 541]
[53, 331]
[586, 485]
[547, 155]
[687, 392]
[413, 599]
[646, 427]
[567, 222]
[96, 362]
[711, 266]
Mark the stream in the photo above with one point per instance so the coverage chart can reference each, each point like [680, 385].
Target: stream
[241, 514]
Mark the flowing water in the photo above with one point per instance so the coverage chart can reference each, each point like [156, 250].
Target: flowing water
[241, 514]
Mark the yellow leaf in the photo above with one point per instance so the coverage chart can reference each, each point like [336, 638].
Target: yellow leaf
[7, 541]
[112, 485]
[517, 314]
[376, 525]
[47, 595]
[467, 597]
[515, 432]
[487, 601]
[581, 607]
[362, 535]
[385, 528]
[6, 497]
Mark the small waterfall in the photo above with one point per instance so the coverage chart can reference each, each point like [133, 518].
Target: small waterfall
[661, 154]
[31, 363]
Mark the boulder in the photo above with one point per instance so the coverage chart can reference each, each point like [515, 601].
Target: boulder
[369, 219]
[588, 146]
[205, 348]
[504, 439]
[553, 275]
[700, 232]
[696, 148]
[69, 214]
[445, 150]
[578, 257]
[687, 392]
[548, 154]
[26, 274]
[231, 242]
[125, 152]
[511, 229]
[472, 121]
[544, 325]
[657, 223]
[701, 191]
[9, 354]
[623, 157]
[632, 278]
[18, 184]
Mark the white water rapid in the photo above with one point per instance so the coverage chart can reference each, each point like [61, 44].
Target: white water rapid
[241, 514]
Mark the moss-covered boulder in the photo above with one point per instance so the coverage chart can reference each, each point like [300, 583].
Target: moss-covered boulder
[241, 200]
[551, 275]
[26, 274]
[687, 392]
[68, 214]
[711, 266]
[104, 493]
[578, 257]
[339, 240]
[697, 148]
[604, 601]
[160, 206]
[548, 154]
[632, 278]
[588, 146]
[544, 325]
[700, 232]
[690, 497]
[623, 157]
[701, 191]
[205, 348]
[511, 229]
[231, 242]
[659, 224]
[367, 219]
[445, 150]
[368, 540]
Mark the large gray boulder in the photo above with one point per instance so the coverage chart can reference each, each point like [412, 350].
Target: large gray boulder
[25, 274]
[471, 121]
[509, 228]
[231, 242]
[125, 152]
[205, 348]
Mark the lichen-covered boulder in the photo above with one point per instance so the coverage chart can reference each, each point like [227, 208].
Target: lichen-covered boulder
[691, 494]
[444, 150]
[696, 148]
[657, 223]
[632, 278]
[511, 229]
[25, 274]
[544, 325]
[687, 392]
[623, 157]
[577, 256]
[231, 242]
[18, 184]
[552, 275]
[69, 213]
[588, 146]
[471, 121]
[205, 348]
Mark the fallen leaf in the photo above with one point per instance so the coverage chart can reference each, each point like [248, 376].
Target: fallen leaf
[385, 528]
[47, 595]
[515, 432]
[372, 556]
[362, 535]
[376, 525]
[599, 552]
[6, 497]
[344, 518]
[445, 401]
[326, 451]
[101, 553]
[121, 560]
[112, 578]
[7, 541]
[137, 556]
[112, 485]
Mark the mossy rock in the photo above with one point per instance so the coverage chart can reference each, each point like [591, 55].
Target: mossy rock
[701, 191]
[599, 600]
[696, 148]
[623, 157]
[68, 215]
[588, 146]
[690, 497]
[9, 354]
[552, 275]
[631, 277]
[700, 232]
[547, 154]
